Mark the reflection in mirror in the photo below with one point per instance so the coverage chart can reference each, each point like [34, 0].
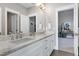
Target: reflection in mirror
[11, 22]
[32, 24]
[18, 22]
[34, 21]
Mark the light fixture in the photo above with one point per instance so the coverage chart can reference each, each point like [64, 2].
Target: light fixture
[41, 6]
[38, 4]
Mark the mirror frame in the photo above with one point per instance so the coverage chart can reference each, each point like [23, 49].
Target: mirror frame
[12, 11]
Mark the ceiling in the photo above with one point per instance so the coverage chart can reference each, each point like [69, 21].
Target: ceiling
[27, 5]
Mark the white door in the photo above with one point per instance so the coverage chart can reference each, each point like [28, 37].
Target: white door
[75, 8]
[76, 30]
[24, 21]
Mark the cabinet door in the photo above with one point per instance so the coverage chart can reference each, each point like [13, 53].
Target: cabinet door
[45, 48]
[52, 42]
[24, 24]
[34, 49]
[48, 46]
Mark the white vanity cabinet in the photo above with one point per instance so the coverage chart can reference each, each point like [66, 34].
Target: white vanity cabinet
[48, 46]
[42, 47]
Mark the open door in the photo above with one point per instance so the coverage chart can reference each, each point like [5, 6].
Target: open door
[76, 30]
[75, 25]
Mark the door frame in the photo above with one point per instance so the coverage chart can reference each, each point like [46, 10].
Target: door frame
[67, 7]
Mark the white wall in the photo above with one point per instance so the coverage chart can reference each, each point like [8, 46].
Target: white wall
[52, 9]
[51, 13]
[13, 6]
[24, 23]
[39, 18]
[78, 23]
[0, 21]
[78, 14]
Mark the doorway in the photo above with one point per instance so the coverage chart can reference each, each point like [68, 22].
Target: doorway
[65, 30]
[75, 28]
[32, 23]
[0, 22]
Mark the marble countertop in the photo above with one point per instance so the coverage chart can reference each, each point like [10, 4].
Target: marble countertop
[9, 46]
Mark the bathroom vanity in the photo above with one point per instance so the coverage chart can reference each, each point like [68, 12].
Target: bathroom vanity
[36, 45]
